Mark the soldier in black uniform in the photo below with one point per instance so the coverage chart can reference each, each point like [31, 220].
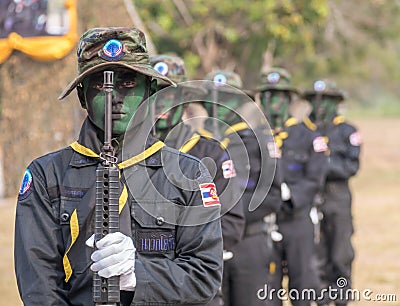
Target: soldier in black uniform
[253, 152]
[169, 247]
[302, 165]
[176, 134]
[344, 143]
[169, 107]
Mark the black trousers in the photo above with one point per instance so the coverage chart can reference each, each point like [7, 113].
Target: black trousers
[249, 274]
[299, 255]
[335, 250]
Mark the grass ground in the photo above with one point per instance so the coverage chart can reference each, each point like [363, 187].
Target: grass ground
[376, 191]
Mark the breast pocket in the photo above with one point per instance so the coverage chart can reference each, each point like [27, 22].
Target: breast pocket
[154, 230]
[67, 207]
[71, 217]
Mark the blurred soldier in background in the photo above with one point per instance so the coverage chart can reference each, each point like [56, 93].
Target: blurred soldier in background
[254, 258]
[344, 145]
[170, 103]
[195, 115]
[302, 169]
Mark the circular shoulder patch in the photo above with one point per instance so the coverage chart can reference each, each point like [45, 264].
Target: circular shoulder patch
[355, 139]
[26, 182]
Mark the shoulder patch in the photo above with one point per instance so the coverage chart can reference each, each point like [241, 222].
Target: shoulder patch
[355, 139]
[26, 183]
[319, 144]
[209, 194]
[273, 150]
[228, 169]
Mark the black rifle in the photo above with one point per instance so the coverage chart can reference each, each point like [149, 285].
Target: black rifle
[214, 111]
[318, 102]
[106, 290]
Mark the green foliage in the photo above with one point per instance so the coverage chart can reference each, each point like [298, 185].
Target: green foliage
[231, 25]
[352, 42]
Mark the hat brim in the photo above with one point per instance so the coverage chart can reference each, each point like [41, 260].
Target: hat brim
[141, 68]
[308, 94]
[222, 88]
[193, 87]
[251, 93]
[277, 87]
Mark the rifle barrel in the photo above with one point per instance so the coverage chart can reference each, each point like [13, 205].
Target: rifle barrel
[108, 88]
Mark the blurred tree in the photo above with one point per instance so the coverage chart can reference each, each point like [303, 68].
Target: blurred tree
[238, 35]
[32, 120]
[357, 45]
[354, 42]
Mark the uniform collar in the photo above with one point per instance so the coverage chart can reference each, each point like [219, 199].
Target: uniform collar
[308, 123]
[204, 133]
[336, 120]
[240, 126]
[291, 122]
[178, 136]
[88, 147]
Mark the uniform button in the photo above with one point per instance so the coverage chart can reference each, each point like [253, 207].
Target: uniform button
[65, 217]
[160, 221]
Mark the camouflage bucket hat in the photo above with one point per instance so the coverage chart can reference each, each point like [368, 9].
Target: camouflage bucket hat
[173, 67]
[100, 48]
[324, 88]
[170, 66]
[275, 79]
[222, 78]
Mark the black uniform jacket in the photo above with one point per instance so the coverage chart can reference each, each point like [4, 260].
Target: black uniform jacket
[344, 143]
[253, 152]
[176, 264]
[222, 170]
[304, 161]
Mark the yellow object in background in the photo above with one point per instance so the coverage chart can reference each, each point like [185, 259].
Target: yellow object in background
[53, 29]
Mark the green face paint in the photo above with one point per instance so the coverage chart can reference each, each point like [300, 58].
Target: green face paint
[276, 105]
[129, 90]
[323, 109]
[168, 112]
[228, 104]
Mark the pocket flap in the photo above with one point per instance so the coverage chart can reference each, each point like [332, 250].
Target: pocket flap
[155, 214]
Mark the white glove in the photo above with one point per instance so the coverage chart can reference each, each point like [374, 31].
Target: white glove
[285, 192]
[276, 236]
[226, 255]
[115, 256]
[314, 215]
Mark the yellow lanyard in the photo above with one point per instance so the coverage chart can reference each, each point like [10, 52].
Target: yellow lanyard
[190, 143]
[76, 146]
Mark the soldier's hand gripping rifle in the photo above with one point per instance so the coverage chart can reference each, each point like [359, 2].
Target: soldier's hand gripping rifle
[106, 290]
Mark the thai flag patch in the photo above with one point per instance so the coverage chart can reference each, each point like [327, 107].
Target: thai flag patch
[209, 195]
[319, 144]
[26, 183]
[355, 139]
[273, 150]
[228, 170]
